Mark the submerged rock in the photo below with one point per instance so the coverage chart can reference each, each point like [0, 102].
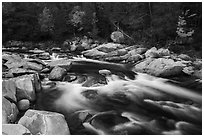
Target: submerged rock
[44, 123]
[14, 129]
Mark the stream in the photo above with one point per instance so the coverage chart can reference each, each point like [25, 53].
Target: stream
[104, 98]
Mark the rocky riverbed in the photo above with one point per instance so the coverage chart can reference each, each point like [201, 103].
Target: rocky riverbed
[159, 92]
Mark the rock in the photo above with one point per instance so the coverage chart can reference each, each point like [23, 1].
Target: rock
[152, 53]
[7, 75]
[23, 104]
[198, 63]
[73, 46]
[44, 56]
[45, 70]
[160, 67]
[33, 66]
[20, 71]
[184, 57]
[9, 111]
[44, 122]
[188, 70]
[15, 63]
[9, 89]
[109, 47]
[163, 52]
[55, 49]
[62, 63]
[85, 43]
[70, 78]
[14, 129]
[76, 120]
[117, 37]
[57, 73]
[38, 61]
[198, 73]
[134, 58]
[26, 86]
[137, 51]
[122, 52]
[94, 53]
[114, 59]
[12, 57]
[141, 50]
[36, 51]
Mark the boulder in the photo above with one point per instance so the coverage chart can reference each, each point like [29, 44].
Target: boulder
[9, 89]
[188, 70]
[23, 104]
[9, 111]
[26, 86]
[134, 58]
[57, 73]
[117, 37]
[44, 123]
[109, 47]
[33, 66]
[184, 57]
[20, 71]
[14, 129]
[61, 62]
[163, 52]
[94, 53]
[160, 67]
[14, 63]
[7, 57]
[122, 52]
[152, 53]
[137, 51]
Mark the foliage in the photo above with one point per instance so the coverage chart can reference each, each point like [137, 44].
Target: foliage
[76, 17]
[145, 22]
[46, 20]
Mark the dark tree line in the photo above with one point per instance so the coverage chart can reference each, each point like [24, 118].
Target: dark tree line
[143, 21]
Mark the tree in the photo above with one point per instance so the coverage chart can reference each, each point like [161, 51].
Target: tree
[76, 17]
[46, 21]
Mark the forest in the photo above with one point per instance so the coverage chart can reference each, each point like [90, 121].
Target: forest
[150, 23]
[102, 68]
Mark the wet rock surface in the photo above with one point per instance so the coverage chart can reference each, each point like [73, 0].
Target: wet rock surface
[44, 123]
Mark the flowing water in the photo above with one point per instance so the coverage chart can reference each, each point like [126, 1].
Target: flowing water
[115, 103]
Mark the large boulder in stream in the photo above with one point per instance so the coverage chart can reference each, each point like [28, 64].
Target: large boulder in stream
[27, 86]
[44, 123]
[160, 67]
[57, 73]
